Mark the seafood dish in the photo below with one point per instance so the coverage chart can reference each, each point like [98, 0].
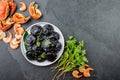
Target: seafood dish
[42, 43]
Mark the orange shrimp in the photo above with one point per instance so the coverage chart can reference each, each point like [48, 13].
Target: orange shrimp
[75, 74]
[16, 41]
[86, 72]
[13, 46]
[18, 29]
[18, 36]
[34, 11]
[20, 18]
[21, 30]
[9, 38]
[86, 65]
[23, 6]
[16, 26]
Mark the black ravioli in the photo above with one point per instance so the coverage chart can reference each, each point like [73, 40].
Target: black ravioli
[47, 29]
[31, 55]
[30, 40]
[51, 56]
[54, 36]
[36, 29]
[46, 44]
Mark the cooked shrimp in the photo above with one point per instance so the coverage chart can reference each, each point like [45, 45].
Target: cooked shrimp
[14, 46]
[20, 18]
[18, 29]
[2, 34]
[18, 36]
[86, 65]
[9, 38]
[86, 72]
[75, 74]
[34, 11]
[17, 25]
[15, 28]
[23, 6]
[16, 41]
[21, 30]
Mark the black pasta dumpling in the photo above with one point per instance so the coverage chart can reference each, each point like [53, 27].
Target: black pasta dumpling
[51, 56]
[54, 36]
[30, 40]
[53, 41]
[31, 55]
[58, 46]
[42, 37]
[46, 45]
[47, 29]
[39, 51]
[36, 30]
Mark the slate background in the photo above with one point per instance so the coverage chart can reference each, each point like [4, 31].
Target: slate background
[97, 22]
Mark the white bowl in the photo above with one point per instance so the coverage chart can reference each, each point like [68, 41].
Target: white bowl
[46, 62]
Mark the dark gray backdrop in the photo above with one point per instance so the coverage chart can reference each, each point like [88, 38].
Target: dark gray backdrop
[97, 22]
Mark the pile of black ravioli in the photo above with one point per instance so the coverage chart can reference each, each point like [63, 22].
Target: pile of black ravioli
[42, 43]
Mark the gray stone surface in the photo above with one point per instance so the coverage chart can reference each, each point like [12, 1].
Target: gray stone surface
[97, 22]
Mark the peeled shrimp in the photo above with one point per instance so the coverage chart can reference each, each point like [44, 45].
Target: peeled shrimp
[23, 6]
[34, 11]
[9, 38]
[2, 34]
[14, 46]
[86, 72]
[21, 30]
[16, 41]
[20, 18]
[18, 36]
[16, 26]
[75, 74]
[18, 29]
[86, 65]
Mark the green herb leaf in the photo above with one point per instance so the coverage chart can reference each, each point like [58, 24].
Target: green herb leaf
[38, 41]
[24, 38]
[43, 55]
[70, 37]
[25, 35]
[26, 48]
[47, 42]
[39, 58]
